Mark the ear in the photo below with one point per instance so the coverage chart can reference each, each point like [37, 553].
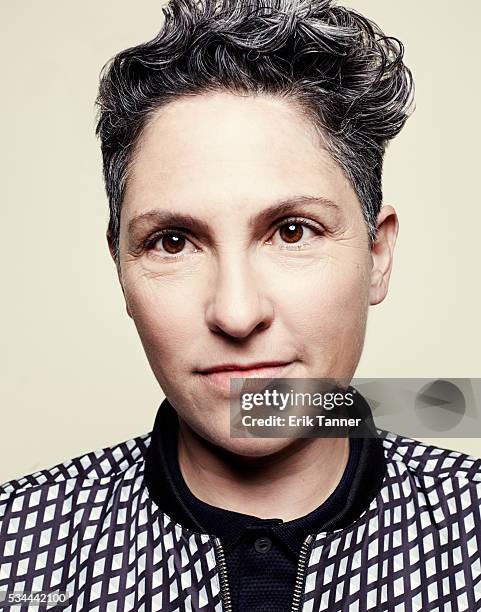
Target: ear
[382, 253]
[117, 266]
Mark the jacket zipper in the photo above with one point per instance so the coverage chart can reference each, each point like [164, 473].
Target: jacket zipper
[224, 584]
[301, 573]
[298, 586]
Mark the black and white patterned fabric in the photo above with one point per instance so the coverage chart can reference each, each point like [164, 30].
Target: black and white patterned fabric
[89, 527]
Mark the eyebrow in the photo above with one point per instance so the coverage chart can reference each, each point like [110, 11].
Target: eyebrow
[138, 224]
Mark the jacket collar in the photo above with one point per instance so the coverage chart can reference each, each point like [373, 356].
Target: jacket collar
[360, 483]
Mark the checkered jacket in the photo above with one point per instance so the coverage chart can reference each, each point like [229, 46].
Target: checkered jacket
[89, 527]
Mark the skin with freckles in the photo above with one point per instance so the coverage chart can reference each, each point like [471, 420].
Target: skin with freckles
[241, 240]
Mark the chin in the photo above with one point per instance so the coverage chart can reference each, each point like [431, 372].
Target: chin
[254, 447]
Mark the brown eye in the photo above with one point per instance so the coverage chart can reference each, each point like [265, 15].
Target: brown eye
[291, 232]
[173, 243]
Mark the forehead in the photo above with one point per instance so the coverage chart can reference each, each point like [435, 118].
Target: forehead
[220, 150]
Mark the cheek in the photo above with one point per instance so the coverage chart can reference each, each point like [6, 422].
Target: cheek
[331, 305]
[163, 318]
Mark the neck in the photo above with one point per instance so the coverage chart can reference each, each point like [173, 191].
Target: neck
[295, 480]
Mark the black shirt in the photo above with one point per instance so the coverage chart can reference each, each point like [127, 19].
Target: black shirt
[261, 554]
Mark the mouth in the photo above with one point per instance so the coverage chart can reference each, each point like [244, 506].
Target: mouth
[219, 377]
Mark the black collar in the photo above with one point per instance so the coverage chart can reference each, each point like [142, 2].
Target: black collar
[360, 482]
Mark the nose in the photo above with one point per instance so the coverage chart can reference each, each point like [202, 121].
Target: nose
[238, 302]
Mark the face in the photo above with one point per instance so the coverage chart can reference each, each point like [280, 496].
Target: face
[241, 242]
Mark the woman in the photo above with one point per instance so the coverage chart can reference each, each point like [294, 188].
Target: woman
[242, 152]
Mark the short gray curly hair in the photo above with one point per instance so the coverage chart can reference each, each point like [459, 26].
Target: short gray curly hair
[335, 64]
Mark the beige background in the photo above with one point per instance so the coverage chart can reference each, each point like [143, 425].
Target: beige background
[74, 377]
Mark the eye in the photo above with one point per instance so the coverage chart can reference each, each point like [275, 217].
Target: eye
[291, 232]
[171, 244]
[296, 232]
